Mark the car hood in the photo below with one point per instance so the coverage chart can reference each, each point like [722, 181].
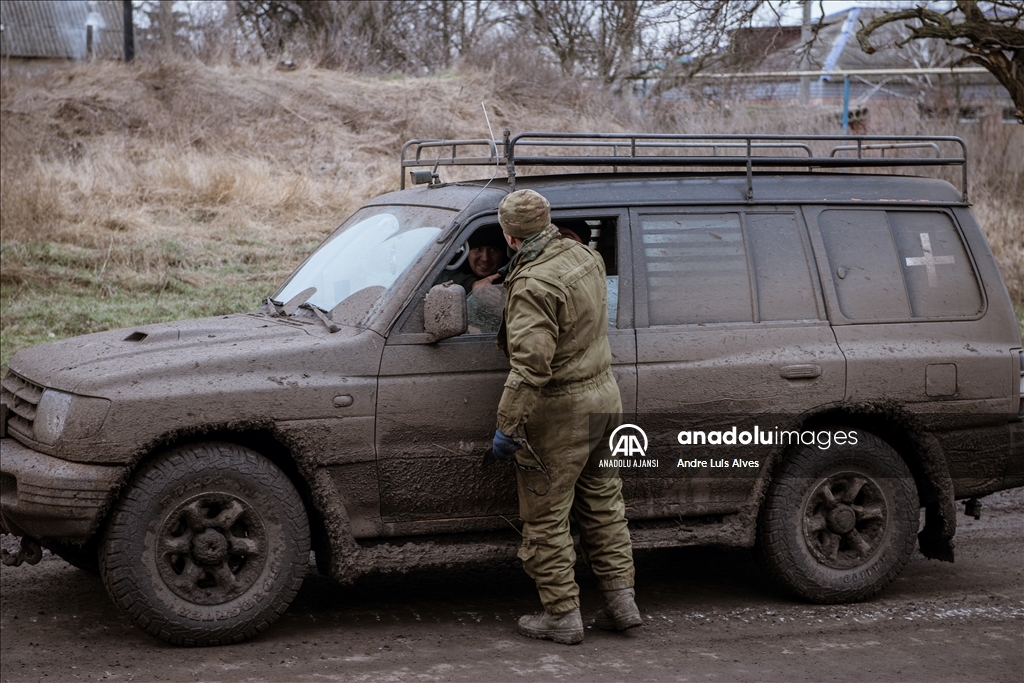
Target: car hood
[103, 363]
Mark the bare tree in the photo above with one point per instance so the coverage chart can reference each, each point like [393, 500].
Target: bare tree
[160, 27]
[562, 26]
[618, 35]
[611, 41]
[411, 36]
[699, 32]
[617, 40]
[990, 33]
[276, 23]
[454, 28]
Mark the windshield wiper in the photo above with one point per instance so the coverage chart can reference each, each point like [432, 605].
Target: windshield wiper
[318, 312]
[274, 306]
[288, 309]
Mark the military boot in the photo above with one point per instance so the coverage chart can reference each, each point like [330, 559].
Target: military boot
[565, 628]
[619, 612]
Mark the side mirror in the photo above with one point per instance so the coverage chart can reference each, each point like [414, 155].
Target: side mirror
[444, 311]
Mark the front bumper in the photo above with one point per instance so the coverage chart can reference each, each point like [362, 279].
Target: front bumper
[49, 498]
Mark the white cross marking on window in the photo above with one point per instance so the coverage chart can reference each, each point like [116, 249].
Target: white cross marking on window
[928, 260]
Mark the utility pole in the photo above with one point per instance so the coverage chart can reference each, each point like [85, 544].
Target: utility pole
[805, 57]
[129, 32]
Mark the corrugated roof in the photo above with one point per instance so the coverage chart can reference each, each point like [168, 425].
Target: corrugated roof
[56, 28]
[837, 47]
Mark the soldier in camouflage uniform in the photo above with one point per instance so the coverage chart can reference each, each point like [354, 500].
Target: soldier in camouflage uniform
[558, 408]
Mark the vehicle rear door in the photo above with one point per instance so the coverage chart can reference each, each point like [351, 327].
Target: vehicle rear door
[730, 325]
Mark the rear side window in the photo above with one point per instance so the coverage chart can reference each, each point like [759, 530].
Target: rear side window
[940, 279]
[696, 269]
[726, 267]
[898, 265]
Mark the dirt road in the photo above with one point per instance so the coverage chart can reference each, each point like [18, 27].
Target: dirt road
[710, 616]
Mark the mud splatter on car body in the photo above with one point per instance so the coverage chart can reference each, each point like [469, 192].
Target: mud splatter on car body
[808, 300]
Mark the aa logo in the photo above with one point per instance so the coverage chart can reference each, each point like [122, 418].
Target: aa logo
[626, 441]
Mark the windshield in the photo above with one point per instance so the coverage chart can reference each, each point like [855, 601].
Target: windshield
[365, 256]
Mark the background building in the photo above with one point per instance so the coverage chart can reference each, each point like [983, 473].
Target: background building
[37, 36]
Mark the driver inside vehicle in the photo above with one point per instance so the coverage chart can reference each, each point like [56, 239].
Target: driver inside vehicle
[481, 269]
[487, 253]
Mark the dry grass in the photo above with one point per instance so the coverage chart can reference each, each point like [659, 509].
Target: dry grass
[129, 195]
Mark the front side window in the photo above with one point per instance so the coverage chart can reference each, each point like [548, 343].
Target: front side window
[366, 255]
[485, 302]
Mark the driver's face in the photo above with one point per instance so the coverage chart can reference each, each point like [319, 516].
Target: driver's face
[484, 261]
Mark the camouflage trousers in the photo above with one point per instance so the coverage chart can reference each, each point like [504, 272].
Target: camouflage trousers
[569, 429]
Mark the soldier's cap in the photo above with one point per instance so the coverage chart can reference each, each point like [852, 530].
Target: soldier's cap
[524, 213]
[489, 236]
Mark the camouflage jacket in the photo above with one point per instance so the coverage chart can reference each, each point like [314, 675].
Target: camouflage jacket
[554, 326]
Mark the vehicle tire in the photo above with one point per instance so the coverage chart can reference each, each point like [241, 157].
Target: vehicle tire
[839, 525]
[81, 557]
[208, 545]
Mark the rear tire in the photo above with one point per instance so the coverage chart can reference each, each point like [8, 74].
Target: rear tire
[207, 546]
[839, 525]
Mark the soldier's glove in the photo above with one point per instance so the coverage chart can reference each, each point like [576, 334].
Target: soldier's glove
[503, 448]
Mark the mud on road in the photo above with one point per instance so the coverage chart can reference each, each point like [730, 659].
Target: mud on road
[710, 616]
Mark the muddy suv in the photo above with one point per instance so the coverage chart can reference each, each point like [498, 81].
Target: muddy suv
[761, 289]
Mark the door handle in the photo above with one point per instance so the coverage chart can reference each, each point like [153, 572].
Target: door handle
[803, 371]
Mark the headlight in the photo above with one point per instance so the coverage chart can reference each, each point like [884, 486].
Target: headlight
[60, 414]
[51, 416]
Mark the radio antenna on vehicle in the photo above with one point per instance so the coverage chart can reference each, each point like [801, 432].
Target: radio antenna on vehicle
[487, 120]
[433, 173]
[497, 159]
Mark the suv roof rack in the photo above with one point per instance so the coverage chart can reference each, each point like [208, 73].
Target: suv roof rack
[675, 151]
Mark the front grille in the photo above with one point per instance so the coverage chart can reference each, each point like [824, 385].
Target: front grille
[21, 398]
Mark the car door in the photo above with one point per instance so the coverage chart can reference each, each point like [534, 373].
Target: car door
[902, 278]
[731, 326]
[436, 408]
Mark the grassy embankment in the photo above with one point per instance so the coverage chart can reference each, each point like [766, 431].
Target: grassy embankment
[150, 193]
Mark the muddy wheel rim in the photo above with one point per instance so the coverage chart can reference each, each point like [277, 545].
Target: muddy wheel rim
[211, 548]
[844, 520]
